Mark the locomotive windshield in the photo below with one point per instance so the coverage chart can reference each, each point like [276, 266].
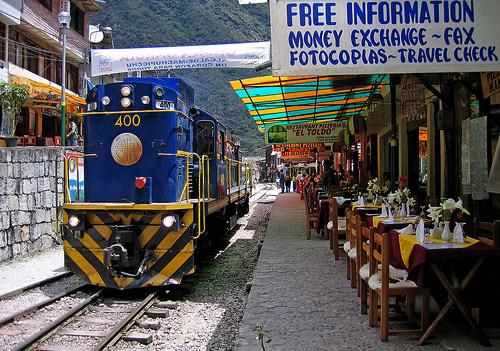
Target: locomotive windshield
[205, 138]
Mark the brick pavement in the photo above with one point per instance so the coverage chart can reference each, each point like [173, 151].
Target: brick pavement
[303, 302]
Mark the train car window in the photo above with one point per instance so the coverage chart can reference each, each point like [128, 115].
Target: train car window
[205, 138]
[220, 145]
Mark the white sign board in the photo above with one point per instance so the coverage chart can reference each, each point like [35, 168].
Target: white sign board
[313, 37]
[245, 55]
[308, 133]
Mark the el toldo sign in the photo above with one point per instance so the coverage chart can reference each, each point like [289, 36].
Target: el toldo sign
[305, 133]
[311, 37]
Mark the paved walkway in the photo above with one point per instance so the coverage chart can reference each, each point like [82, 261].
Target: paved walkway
[24, 271]
[303, 302]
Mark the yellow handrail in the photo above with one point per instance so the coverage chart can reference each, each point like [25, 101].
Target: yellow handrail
[201, 220]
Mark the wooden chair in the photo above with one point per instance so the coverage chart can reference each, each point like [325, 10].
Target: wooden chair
[312, 210]
[351, 248]
[364, 264]
[339, 227]
[382, 287]
[488, 233]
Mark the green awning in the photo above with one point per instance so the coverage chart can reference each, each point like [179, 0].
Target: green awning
[296, 100]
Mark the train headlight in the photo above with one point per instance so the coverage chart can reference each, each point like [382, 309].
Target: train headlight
[92, 107]
[74, 221]
[159, 91]
[126, 90]
[169, 221]
[106, 100]
[126, 102]
[145, 100]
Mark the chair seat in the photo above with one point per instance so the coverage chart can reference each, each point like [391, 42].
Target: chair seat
[394, 273]
[352, 253]
[347, 246]
[375, 283]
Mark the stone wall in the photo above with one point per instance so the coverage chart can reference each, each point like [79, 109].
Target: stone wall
[31, 190]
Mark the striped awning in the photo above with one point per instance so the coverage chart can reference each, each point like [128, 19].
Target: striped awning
[296, 100]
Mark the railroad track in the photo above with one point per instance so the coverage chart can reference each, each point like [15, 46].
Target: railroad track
[255, 197]
[36, 285]
[98, 323]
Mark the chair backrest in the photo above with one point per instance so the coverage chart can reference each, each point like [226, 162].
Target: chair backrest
[333, 208]
[354, 228]
[364, 244]
[488, 233]
[379, 257]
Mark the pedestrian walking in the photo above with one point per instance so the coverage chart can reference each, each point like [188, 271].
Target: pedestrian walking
[282, 181]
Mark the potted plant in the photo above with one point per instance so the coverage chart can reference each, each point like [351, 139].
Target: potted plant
[12, 99]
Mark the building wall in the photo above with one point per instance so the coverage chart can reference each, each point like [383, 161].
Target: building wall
[30, 192]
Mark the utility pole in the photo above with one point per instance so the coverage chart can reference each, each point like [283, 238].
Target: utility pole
[64, 22]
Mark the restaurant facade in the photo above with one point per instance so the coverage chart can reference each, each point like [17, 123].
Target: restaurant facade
[31, 56]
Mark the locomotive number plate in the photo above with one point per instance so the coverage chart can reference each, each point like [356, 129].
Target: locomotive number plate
[128, 121]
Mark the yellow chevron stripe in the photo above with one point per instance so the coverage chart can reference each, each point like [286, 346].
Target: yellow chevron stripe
[89, 243]
[172, 267]
[147, 234]
[83, 264]
[101, 228]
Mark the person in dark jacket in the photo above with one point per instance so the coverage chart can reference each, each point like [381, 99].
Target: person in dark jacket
[282, 181]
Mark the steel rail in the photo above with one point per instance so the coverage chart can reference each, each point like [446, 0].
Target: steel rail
[53, 325]
[116, 333]
[38, 305]
[35, 285]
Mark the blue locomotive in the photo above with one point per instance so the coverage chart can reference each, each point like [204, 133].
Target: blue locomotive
[158, 171]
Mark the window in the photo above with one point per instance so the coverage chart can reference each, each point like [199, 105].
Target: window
[205, 138]
[47, 67]
[46, 3]
[77, 19]
[73, 78]
[30, 57]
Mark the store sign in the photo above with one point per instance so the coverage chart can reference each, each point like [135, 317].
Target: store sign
[312, 37]
[491, 83]
[412, 98]
[310, 133]
[245, 55]
[298, 152]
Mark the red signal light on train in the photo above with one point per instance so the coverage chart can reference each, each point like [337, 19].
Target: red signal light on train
[140, 182]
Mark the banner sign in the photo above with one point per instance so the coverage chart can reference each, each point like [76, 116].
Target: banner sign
[298, 147]
[298, 152]
[310, 133]
[312, 37]
[245, 55]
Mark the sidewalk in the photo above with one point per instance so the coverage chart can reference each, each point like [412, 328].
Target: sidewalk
[24, 271]
[301, 298]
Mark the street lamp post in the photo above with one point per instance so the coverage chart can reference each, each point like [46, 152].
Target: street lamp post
[64, 22]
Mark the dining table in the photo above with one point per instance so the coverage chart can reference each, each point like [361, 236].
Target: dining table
[452, 265]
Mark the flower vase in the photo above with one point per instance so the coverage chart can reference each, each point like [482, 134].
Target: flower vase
[402, 212]
[446, 235]
[436, 231]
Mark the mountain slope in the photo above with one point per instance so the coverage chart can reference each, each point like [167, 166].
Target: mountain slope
[149, 23]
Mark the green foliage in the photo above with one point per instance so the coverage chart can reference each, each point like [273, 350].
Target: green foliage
[13, 97]
[149, 23]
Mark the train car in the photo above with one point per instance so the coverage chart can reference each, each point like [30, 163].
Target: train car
[158, 173]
